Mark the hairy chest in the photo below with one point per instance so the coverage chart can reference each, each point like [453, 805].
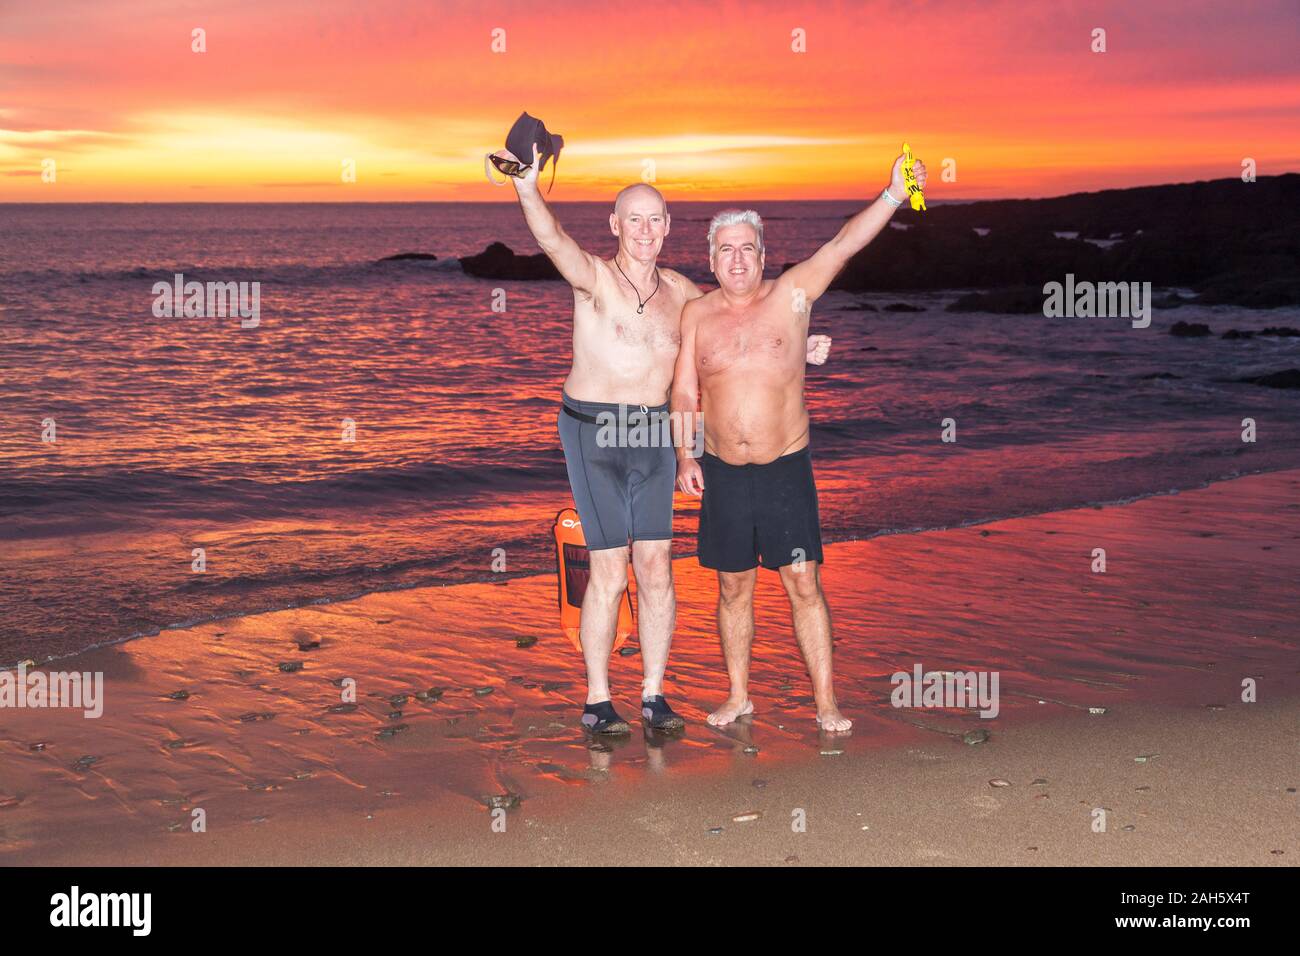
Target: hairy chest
[658, 327]
[760, 345]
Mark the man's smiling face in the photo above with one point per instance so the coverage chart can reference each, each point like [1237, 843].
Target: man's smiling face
[640, 222]
[737, 260]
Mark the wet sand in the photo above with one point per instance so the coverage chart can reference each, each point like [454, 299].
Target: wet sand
[1199, 594]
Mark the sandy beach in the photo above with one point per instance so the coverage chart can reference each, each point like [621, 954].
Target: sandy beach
[1120, 700]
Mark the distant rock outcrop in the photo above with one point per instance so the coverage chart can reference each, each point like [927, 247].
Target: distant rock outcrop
[1230, 242]
[497, 261]
[1189, 330]
[1021, 300]
[404, 256]
[1256, 288]
[1287, 378]
[1171, 301]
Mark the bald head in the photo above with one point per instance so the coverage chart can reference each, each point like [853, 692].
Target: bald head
[638, 193]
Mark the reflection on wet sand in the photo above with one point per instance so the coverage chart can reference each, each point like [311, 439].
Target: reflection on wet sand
[425, 700]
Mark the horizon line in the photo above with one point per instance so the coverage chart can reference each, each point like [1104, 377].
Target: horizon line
[496, 202]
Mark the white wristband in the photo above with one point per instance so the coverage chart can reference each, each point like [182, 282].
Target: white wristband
[884, 194]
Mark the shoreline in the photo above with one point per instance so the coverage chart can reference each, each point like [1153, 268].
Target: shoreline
[1199, 593]
[684, 555]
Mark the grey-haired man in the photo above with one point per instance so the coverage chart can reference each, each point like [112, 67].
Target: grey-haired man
[742, 352]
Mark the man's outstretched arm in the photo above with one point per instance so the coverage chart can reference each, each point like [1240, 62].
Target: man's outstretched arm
[577, 267]
[814, 274]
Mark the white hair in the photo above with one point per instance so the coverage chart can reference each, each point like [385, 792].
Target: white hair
[735, 217]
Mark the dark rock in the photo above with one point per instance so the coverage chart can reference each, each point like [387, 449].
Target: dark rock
[1189, 330]
[1251, 289]
[1160, 375]
[1234, 334]
[1287, 378]
[1282, 331]
[1021, 300]
[902, 307]
[1175, 236]
[404, 256]
[497, 261]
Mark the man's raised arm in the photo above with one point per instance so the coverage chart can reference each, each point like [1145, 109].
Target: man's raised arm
[577, 267]
[814, 274]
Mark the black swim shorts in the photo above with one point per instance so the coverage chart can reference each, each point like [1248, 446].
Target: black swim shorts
[759, 514]
[622, 470]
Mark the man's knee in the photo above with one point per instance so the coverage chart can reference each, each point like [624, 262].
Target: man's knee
[653, 566]
[736, 590]
[802, 582]
[609, 572]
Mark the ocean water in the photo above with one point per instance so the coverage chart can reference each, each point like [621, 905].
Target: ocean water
[176, 434]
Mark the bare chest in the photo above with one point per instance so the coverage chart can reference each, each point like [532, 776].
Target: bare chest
[752, 344]
[658, 327]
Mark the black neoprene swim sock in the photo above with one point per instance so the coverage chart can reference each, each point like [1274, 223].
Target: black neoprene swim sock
[601, 718]
[656, 712]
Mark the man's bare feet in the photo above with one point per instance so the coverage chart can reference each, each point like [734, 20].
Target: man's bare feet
[832, 720]
[731, 709]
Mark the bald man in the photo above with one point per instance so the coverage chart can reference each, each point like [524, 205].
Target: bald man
[627, 315]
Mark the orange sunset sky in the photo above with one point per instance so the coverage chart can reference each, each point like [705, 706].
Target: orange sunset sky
[712, 93]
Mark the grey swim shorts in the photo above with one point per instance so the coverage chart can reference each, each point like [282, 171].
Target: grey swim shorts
[622, 470]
